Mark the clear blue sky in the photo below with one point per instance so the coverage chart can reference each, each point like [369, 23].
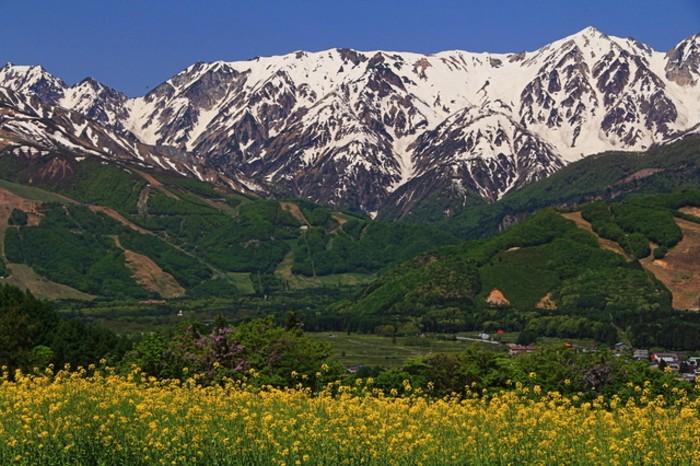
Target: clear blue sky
[134, 45]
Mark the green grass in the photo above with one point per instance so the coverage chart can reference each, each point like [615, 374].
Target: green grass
[33, 194]
[24, 277]
[376, 350]
[242, 281]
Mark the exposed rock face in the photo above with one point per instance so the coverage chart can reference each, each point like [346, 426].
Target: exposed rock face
[683, 62]
[476, 152]
[381, 130]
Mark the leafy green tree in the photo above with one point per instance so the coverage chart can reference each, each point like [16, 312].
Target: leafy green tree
[150, 355]
[33, 334]
[285, 357]
[17, 217]
[15, 338]
[660, 252]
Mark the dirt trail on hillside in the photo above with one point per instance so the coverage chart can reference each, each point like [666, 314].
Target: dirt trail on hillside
[149, 275]
[680, 269]
[154, 182]
[339, 219]
[8, 202]
[585, 225]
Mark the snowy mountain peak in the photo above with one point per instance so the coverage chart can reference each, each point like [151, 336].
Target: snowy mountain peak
[32, 80]
[90, 83]
[683, 62]
[591, 34]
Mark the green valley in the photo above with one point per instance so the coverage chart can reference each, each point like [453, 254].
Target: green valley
[140, 249]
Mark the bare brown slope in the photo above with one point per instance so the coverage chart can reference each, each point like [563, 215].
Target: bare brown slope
[680, 269]
[119, 218]
[149, 275]
[295, 211]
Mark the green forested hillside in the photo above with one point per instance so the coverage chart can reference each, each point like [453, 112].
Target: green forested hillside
[122, 230]
[543, 277]
[71, 246]
[122, 233]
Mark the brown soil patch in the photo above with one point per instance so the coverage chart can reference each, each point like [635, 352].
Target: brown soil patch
[149, 275]
[584, 225]
[119, 218]
[295, 211]
[691, 211]
[662, 263]
[9, 201]
[547, 303]
[680, 269]
[496, 298]
[339, 219]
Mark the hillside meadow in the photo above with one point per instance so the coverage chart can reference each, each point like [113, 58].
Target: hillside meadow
[107, 419]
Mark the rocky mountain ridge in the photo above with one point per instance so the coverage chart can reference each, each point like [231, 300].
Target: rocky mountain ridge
[371, 130]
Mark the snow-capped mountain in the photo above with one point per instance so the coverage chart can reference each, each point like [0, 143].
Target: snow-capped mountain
[32, 128]
[363, 129]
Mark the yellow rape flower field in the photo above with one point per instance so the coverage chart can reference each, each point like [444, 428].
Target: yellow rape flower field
[72, 418]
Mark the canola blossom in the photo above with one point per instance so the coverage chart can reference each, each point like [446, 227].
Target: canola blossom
[102, 418]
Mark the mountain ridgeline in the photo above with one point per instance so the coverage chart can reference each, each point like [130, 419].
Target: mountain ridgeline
[396, 133]
[608, 176]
